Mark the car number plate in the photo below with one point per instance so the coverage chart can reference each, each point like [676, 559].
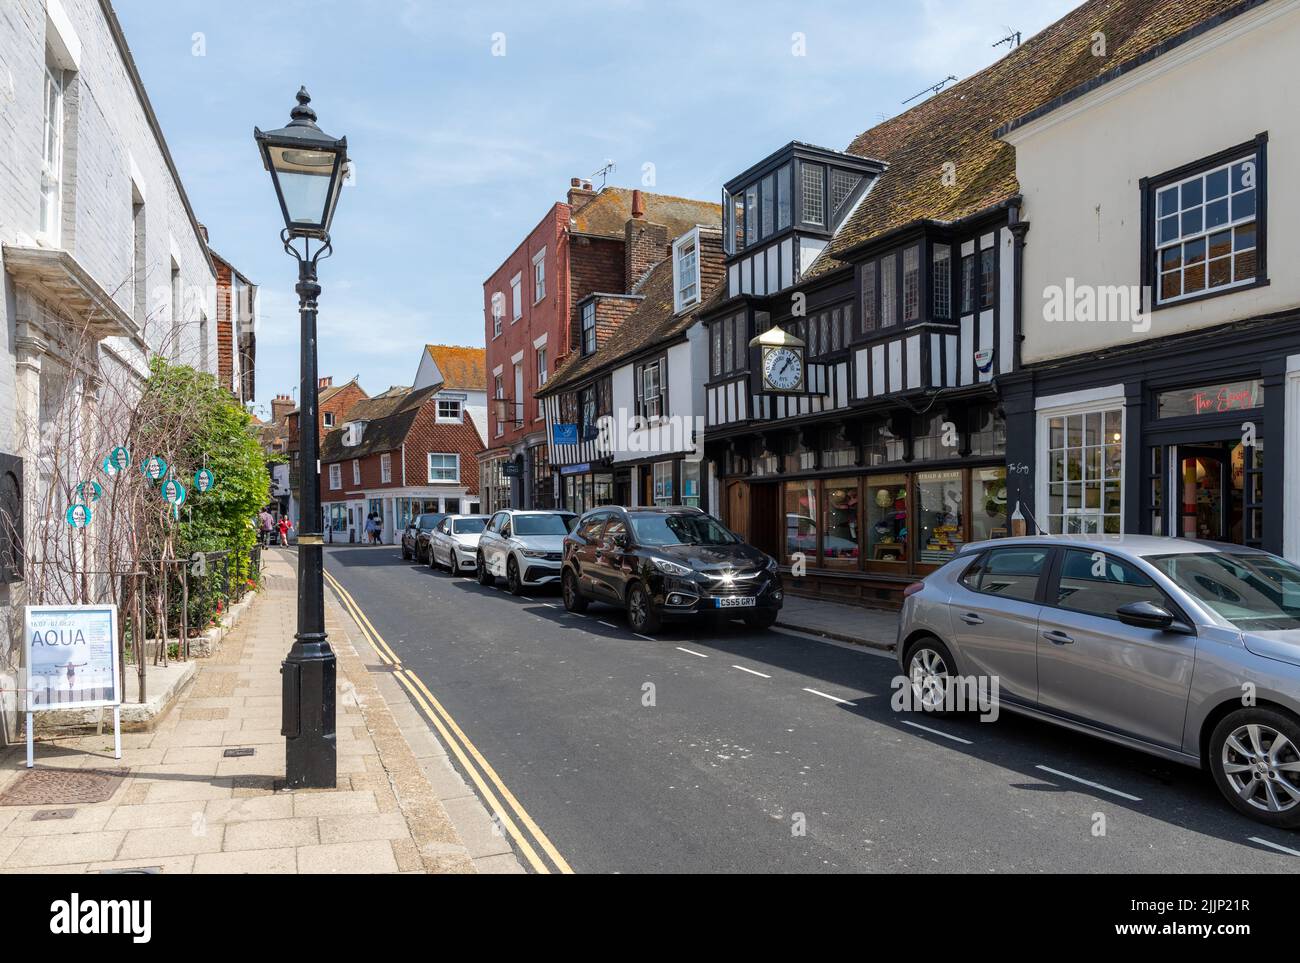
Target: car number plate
[737, 602]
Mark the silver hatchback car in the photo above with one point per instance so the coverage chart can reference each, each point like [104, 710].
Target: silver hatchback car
[1187, 650]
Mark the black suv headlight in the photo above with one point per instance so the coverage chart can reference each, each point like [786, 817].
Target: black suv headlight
[672, 568]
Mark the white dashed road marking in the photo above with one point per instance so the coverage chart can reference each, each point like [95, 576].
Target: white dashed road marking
[843, 702]
[751, 672]
[917, 725]
[689, 651]
[610, 624]
[1094, 785]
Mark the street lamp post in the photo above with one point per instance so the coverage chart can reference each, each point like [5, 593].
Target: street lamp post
[307, 168]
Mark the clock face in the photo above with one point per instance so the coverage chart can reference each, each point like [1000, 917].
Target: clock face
[783, 369]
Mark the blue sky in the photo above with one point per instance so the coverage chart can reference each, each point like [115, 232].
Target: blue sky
[459, 152]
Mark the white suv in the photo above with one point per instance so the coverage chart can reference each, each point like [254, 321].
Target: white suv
[524, 548]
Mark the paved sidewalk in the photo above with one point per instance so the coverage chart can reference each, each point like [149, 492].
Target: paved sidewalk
[182, 806]
[876, 628]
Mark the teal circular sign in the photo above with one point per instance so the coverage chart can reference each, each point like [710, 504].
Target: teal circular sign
[78, 516]
[119, 458]
[173, 491]
[89, 491]
[154, 467]
[204, 480]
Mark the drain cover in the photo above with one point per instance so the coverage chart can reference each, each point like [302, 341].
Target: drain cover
[62, 787]
[241, 751]
[45, 814]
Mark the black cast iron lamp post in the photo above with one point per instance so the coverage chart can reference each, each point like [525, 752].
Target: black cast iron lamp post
[308, 168]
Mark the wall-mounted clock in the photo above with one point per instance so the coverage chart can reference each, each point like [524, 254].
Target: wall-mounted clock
[782, 360]
[783, 369]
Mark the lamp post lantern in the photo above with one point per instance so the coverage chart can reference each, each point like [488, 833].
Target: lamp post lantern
[308, 168]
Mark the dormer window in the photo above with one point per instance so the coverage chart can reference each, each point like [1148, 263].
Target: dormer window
[589, 327]
[686, 270]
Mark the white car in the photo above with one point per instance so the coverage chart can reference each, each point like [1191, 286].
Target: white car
[453, 543]
[525, 548]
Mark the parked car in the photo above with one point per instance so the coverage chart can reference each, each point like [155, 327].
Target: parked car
[1183, 649]
[666, 563]
[526, 547]
[454, 542]
[415, 536]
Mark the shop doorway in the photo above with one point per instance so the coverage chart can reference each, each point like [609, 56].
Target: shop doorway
[1218, 491]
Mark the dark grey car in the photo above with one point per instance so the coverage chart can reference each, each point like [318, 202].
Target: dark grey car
[1187, 650]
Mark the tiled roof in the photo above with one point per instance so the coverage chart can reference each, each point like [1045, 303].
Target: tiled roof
[653, 321]
[389, 418]
[959, 124]
[462, 368]
[607, 213]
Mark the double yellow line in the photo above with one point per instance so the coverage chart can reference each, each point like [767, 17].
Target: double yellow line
[525, 832]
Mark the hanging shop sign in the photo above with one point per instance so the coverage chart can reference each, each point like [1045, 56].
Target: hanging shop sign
[173, 492]
[71, 661]
[154, 467]
[89, 491]
[204, 480]
[78, 516]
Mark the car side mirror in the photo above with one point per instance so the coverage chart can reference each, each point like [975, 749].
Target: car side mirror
[1146, 615]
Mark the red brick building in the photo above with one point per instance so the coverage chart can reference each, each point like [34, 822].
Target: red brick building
[236, 334]
[589, 243]
[334, 401]
[396, 455]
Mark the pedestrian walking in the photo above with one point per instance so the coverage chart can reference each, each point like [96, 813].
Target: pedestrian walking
[284, 530]
[266, 526]
[372, 529]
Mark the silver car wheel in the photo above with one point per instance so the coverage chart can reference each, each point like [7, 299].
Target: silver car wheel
[929, 674]
[1263, 767]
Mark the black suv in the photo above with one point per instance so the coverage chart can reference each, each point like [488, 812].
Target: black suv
[665, 562]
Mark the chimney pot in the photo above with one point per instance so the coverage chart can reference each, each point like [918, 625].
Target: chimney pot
[638, 205]
[575, 181]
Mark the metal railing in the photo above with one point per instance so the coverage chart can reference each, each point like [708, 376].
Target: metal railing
[159, 599]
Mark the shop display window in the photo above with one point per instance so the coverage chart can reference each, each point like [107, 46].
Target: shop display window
[841, 542]
[886, 512]
[940, 497]
[800, 503]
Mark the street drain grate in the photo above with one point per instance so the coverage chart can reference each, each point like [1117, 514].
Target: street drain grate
[62, 787]
[241, 751]
[45, 814]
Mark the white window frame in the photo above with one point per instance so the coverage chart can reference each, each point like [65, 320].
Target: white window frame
[498, 312]
[539, 276]
[516, 298]
[499, 393]
[686, 270]
[1204, 234]
[51, 198]
[328, 418]
[457, 419]
[590, 306]
[539, 358]
[356, 471]
[385, 468]
[1092, 401]
[336, 476]
[456, 470]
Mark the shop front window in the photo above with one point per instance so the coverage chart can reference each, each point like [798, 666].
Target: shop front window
[1085, 455]
[988, 432]
[886, 519]
[837, 450]
[801, 519]
[940, 497]
[691, 483]
[988, 503]
[883, 447]
[841, 543]
[663, 482]
[800, 459]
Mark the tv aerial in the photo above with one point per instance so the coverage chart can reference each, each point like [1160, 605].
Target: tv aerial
[932, 89]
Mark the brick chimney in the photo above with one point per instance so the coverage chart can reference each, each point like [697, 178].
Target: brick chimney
[644, 244]
[281, 405]
[323, 383]
[580, 193]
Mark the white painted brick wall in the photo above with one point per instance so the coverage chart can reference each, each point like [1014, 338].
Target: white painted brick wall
[111, 130]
